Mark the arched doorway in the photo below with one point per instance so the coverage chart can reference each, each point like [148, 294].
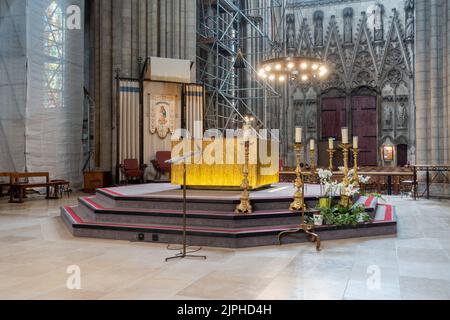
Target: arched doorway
[356, 110]
[333, 118]
[364, 124]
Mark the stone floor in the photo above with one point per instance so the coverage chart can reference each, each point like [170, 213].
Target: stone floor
[36, 251]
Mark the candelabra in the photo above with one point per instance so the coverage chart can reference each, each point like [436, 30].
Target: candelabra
[355, 167]
[345, 199]
[299, 204]
[245, 206]
[312, 157]
[299, 198]
[331, 153]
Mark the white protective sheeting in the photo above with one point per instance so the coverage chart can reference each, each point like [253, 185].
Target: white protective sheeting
[51, 128]
[12, 85]
[170, 70]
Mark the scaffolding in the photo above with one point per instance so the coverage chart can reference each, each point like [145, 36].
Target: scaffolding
[233, 89]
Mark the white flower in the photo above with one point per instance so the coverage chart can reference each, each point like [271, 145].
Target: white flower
[364, 180]
[325, 174]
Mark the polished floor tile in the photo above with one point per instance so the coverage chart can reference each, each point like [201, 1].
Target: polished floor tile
[37, 251]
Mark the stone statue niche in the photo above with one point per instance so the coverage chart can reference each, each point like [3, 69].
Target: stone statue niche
[377, 16]
[348, 25]
[290, 32]
[318, 28]
[409, 13]
[402, 116]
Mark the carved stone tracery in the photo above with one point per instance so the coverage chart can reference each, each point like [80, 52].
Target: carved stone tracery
[375, 56]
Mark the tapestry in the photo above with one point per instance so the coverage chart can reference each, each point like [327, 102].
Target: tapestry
[162, 115]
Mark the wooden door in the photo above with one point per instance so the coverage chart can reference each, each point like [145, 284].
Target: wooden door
[334, 117]
[365, 127]
[402, 155]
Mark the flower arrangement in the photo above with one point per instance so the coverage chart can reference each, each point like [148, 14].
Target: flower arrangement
[328, 187]
[340, 215]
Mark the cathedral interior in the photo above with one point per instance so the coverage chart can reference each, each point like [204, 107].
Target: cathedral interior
[310, 138]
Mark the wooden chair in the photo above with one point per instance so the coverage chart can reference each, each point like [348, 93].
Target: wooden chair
[160, 163]
[132, 171]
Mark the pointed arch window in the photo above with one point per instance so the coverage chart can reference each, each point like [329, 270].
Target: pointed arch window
[54, 56]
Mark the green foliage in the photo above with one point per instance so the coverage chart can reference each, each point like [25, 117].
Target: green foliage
[340, 216]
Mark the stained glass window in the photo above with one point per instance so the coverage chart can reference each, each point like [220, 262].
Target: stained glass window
[54, 51]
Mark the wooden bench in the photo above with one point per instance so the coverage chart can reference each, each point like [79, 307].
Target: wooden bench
[18, 187]
[4, 183]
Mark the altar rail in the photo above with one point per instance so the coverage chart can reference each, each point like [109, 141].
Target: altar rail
[390, 181]
[432, 175]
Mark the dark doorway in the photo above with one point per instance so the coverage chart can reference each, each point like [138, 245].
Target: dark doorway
[333, 119]
[402, 155]
[364, 123]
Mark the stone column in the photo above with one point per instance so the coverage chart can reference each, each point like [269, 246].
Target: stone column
[422, 80]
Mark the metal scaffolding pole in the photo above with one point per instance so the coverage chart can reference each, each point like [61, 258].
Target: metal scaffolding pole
[224, 27]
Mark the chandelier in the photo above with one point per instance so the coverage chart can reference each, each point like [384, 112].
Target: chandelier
[300, 68]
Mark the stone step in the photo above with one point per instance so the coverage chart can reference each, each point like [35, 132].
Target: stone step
[214, 236]
[198, 202]
[385, 213]
[90, 208]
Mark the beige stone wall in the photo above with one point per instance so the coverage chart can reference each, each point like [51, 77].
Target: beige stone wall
[432, 81]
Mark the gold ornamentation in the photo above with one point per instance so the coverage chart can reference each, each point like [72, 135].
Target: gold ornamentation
[299, 205]
[356, 181]
[299, 199]
[245, 206]
[346, 182]
[312, 156]
[331, 153]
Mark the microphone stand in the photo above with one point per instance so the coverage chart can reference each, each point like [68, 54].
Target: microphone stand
[184, 250]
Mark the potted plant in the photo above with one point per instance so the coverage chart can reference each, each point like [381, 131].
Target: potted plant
[318, 219]
[327, 188]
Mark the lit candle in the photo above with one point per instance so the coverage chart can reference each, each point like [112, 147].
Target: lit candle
[355, 142]
[331, 144]
[345, 135]
[298, 135]
[312, 146]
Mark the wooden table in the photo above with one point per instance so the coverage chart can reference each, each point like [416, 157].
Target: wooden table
[94, 180]
[390, 175]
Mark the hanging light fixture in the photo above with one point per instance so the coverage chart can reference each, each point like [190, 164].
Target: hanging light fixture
[286, 65]
[302, 68]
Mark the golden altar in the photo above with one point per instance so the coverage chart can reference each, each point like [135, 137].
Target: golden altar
[221, 163]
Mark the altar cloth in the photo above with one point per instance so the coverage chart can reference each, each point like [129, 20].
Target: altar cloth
[226, 170]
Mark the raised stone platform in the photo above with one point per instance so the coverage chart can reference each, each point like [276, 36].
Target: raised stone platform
[154, 213]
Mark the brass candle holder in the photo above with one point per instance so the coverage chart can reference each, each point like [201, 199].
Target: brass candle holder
[331, 153]
[312, 157]
[299, 198]
[245, 206]
[299, 204]
[356, 181]
[345, 199]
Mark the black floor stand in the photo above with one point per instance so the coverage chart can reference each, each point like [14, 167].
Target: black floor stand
[184, 250]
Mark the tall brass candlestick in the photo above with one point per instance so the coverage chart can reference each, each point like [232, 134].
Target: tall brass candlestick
[345, 199]
[312, 156]
[299, 205]
[331, 153]
[355, 167]
[299, 198]
[245, 206]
